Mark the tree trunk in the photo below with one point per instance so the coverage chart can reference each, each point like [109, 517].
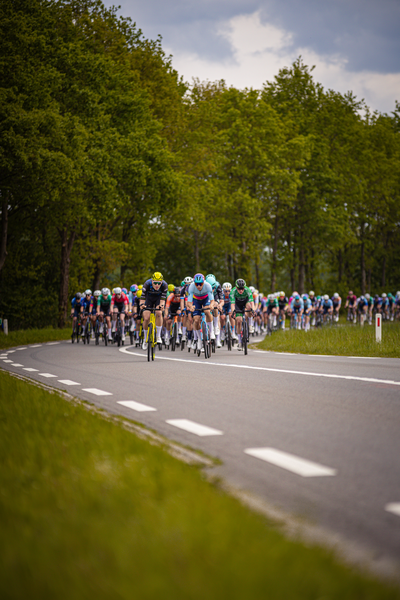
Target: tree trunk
[257, 268]
[301, 267]
[66, 248]
[362, 262]
[340, 267]
[4, 231]
[275, 248]
[196, 251]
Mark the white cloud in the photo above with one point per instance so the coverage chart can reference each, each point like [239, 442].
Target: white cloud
[260, 49]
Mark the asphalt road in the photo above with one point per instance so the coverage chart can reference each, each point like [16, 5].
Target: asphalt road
[312, 436]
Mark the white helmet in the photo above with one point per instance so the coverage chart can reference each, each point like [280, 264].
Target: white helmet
[367, 296]
[117, 290]
[252, 289]
[384, 295]
[188, 280]
[326, 297]
[97, 293]
[88, 293]
[227, 286]
[105, 291]
[311, 293]
[336, 295]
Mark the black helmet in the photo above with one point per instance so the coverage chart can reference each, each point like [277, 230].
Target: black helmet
[240, 284]
[78, 295]
[177, 291]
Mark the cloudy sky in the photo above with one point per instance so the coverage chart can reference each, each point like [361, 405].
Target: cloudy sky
[354, 44]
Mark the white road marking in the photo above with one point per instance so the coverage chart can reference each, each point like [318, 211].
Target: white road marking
[136, 406]
[30, 369]
[68, 382]
[307, 373]
[47, 375]
[7, 361]
[292, 463]
[393, 507]
[52, 343]
[97, 392]
[16, 365]
[36, 346]
[192, 427]
[22, 348]
[10, 351]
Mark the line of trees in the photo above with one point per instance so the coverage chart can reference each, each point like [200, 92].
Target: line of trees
[111, 166]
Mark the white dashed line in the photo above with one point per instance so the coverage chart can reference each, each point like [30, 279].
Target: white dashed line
[7, 361]
[270, 369]
[393, 507]
[10, 351]
[68, 382]
[136, 406]
[192, 427]
[292, 463]
[22, 348]
[30, 369]
[97, 392]
[52, 343]
[16, 365]
[47, 375]
[36, 346]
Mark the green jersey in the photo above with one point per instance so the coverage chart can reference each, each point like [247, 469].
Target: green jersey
[246, 296]
[104, 302]
[273, 302]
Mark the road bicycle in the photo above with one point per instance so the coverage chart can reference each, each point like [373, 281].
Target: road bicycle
[245, 327]
[117, 334]
[204, 342]
[77, 329]
[151, 333]
[228, 333]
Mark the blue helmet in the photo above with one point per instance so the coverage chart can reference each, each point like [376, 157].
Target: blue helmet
[199, 278]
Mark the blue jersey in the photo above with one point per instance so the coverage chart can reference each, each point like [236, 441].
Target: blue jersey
[131, 297]
[200, 294]
[86, 302]
[297, 304]
[326, 304]
[76, 304]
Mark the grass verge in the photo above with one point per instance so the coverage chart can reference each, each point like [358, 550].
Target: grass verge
[343, 340]
[89, 510]
[33, 336]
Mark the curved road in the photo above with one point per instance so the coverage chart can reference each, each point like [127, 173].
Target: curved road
[312, 436]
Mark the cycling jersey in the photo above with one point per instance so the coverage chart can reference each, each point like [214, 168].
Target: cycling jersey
[206, 292]
[282, 302]
[246, 296]
[76, 305]
[153, 296]
[326, 305]
[297, 305]
[362, 303]
[218, 293]
[351, 300]
[87, 302]
[173, 303]
[227, 303]
[104, 304]
[120, 303]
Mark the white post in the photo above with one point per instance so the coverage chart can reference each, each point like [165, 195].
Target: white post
[5, 326]
[378, 327]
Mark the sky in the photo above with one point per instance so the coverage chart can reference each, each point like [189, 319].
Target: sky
[354, 44]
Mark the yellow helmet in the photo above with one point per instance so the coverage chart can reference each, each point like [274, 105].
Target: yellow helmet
[140, 286]
[171, 287]
[138, 293]
[157, 276]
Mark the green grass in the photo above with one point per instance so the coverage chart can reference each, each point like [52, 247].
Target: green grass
[344, 340]
[89, 510]
[33, 336]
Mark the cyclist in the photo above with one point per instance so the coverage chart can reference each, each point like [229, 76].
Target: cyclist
[272, 310]
[200, 296]
[103, 310]
[377, 307]
[385, 306]
[119, 304]
[296, 309]
[337, 303]
[131, 299]
[87, 302]
[172, 309]
[241, 300]
[391, 300]
[154, 294]
[93, 309]
[307, 311]
[326, 306]
[226, 308]
[77, 308]
[218, 304]
[351, 302]
[362, 307]
[187, 320]
[370, 307]
[283, 303]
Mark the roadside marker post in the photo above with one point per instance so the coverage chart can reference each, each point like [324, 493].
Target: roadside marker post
[378, 327]
[5, 326]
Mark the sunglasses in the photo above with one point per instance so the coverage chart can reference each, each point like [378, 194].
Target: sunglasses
[199, 284]
[156, 282]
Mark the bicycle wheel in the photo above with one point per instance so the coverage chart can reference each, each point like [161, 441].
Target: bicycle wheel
[88, 331]
[228, 334]
[97, 333]
[245, 333]
[204, 338]
[150, 342]
[73, 336]
[173, 337]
